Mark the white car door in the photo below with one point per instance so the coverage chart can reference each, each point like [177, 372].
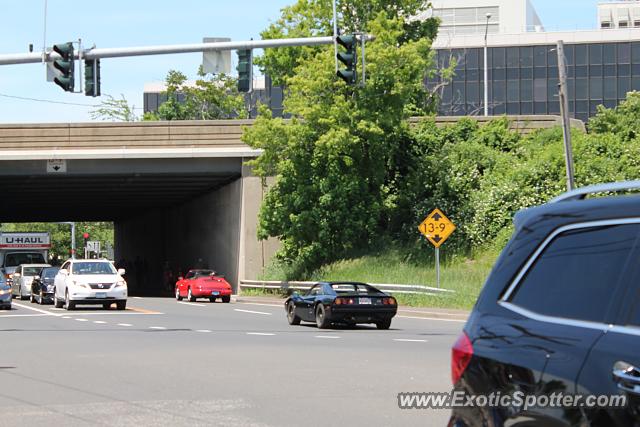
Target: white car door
[15, 281]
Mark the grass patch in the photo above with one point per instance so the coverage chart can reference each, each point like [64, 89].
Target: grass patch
[463, 275]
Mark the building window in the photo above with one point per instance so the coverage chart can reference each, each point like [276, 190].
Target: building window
[636, 24]
[623, 24]
[605, 25]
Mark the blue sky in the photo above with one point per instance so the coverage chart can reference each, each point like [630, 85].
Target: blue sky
[118, 23]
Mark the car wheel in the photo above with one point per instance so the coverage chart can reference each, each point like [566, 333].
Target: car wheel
[178, 297]
[56, 303]
[106, 305]
[41, 298]
[212, 299]
[291, 314]
[226, 299]
[384, 324]
[69, 305]
[190, 296]
[22, 297]
[321, 317]
[121, 305]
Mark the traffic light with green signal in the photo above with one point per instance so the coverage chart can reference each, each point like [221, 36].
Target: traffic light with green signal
[245, 70]
[349, 58]
[92, 77]
[65, 66]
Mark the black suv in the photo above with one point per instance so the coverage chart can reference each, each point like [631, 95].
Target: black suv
[559, 313]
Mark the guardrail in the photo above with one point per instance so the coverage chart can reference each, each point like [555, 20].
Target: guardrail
[384, 287]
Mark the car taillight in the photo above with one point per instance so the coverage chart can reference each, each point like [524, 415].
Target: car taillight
[344, 301]
[461, 354]
[389, 301]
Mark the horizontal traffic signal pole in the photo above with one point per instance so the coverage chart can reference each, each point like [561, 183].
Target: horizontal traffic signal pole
[98, 53]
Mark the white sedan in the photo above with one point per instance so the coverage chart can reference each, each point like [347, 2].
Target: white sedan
[93, 281]
[22, 278]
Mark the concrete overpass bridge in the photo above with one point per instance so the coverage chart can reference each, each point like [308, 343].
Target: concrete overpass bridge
[176, 191]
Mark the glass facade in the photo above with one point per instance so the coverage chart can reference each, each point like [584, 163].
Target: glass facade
[524, 79]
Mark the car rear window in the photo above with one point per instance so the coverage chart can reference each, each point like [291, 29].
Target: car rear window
[576, 274]
[350, 288]
[17, 258]
[31, 271]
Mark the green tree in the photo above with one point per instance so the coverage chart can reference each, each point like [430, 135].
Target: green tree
[115, 110]
[334, 161]
[213, 96]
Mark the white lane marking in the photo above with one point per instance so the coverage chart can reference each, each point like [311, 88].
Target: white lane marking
[264, 334]
[408, 340]
[66, 317]
[252, 312]
[327, 336]
[203, 330]
[82, 320]
[125, 324]
[48, 313]
[159, 328]
[137, 297]
[265, 305]
[194, 304]
[23, 315]
[431, 318]
[99, 322]
[57, 309]
[110, 313]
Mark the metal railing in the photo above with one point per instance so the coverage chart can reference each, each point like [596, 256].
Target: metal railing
[284, 286]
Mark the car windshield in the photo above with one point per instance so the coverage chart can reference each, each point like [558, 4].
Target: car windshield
[93, 268]
[202, 273]
[350, 288]
[48, 273]
[16, 258]
[31, 271]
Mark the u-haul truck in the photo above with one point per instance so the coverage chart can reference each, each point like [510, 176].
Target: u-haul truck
[21, 248]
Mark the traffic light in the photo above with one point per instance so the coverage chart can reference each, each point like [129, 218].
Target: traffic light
[65, 66]
[92, 77]
[348, 58]
[245, 70]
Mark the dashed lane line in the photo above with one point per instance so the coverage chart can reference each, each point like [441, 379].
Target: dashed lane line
[125, 324]
[158, 328]
[408, 340]
[327, 336]
[99, 322]
[203, 330]
[82, 320]
[23, 315]
[253, 312]
[263, 334]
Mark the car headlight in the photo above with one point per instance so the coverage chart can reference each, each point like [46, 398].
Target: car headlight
[50, 288]
[121, 284]
[4, 291]
[79, 284]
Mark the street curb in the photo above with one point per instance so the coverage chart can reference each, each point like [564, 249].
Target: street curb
[405, 311]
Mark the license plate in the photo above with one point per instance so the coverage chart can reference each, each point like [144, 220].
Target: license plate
[365, 300]
[101, 295]
[215, 293]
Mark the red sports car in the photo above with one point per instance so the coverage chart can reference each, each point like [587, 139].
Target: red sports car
[203, 284]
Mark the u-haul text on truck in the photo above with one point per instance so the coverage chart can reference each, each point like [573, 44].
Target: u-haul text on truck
[22, 248]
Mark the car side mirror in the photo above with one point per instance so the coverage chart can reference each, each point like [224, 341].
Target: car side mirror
[121, 271]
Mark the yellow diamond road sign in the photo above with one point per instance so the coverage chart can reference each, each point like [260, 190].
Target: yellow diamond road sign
[437, 228]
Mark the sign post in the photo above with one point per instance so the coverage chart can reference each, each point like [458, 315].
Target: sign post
[437, 228]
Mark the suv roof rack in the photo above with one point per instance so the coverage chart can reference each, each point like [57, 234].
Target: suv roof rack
[583, 192]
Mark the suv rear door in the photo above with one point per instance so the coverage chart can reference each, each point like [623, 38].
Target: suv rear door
[613, 365]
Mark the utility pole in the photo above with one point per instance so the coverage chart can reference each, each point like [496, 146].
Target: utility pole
[486, 67]
[564, 109]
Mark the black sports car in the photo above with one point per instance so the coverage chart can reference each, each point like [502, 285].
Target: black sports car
[341, 302]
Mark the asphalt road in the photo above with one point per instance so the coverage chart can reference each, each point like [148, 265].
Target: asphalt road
[165, 363]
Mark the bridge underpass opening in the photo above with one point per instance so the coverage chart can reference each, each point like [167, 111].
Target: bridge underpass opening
[175, 211]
